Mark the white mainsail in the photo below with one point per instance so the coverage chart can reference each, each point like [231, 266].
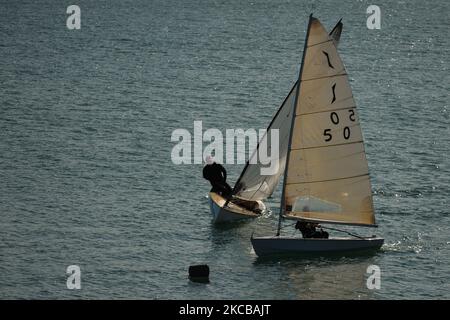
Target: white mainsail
[252, 185]
[327, 176]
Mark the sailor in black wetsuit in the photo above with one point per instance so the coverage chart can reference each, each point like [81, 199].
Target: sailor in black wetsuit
[308, 230]
[216, 174]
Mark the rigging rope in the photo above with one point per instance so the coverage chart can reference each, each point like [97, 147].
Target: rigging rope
[340, 230]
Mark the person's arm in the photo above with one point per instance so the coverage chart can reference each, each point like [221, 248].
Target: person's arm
[224, 172]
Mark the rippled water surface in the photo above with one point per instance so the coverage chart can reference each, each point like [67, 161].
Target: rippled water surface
[86, 118]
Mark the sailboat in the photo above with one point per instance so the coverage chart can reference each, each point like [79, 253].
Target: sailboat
[326, 176]
[252, 188]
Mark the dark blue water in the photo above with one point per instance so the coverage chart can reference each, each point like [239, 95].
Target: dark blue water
[86, 118]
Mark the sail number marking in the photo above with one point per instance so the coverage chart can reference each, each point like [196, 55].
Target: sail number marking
[352, 115]
[335, 120]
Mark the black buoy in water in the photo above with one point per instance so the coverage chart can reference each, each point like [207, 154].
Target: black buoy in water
[199, 273]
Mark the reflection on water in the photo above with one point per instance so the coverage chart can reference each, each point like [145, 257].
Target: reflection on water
[315, 277]
[333, 276]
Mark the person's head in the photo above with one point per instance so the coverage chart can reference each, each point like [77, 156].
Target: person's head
[209, 159]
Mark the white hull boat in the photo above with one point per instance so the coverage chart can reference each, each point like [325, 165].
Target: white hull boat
[271, 245]
[231, 211]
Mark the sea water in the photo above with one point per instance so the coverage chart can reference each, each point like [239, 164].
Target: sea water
[86, 117]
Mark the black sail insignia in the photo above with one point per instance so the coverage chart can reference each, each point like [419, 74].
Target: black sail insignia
[334, 93]
[328, 59]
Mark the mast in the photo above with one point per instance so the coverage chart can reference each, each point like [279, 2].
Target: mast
[292, 125]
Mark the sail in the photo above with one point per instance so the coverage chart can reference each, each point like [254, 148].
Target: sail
[252, 185]
[327, 176]
[335, 33]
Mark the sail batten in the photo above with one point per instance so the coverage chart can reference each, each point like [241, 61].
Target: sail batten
[324, 77]
[316, 44]
[344, 108]
[321, 147]
[328, 180]
[327, 176]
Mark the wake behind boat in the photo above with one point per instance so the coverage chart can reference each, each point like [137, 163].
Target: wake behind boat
[326, 177]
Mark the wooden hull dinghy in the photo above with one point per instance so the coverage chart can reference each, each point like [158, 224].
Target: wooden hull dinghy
[233, 210]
